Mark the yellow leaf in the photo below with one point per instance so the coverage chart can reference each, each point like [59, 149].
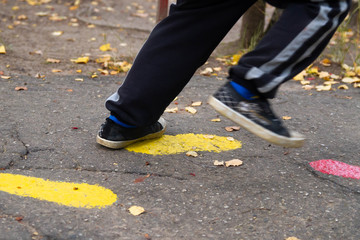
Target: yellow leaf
[56, 70]
[356, 85]
[81, 60]
[79, 71]
[2, 49]
[234, 162]
[105, 47]
[308, 87]
[136, 210]
[300, 76]
[5, 77]
[15, 8]
[286, 117]
[350, 74]
[325, 62]
[79, 79]
[216, 120]
[313, 70]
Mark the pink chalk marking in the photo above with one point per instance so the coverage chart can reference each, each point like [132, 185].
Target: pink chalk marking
[332, 167]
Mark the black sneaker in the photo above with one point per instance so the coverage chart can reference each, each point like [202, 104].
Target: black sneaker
[114, 136]
[255, 116]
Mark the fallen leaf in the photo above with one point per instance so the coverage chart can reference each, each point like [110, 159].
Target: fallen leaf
[196, 104]
[147, 236]
[313, 70]
[57, 33]
[343, 86]
[325, 62]
[323, 88]
[230, 138]
[330, 82]
[305, 82]
[21, 88]
[292, 238]
[19, 219]
[232, 128]
[350, 80]
[308, 87]
[324, 75]
[5, 77]
[300, 76]
[52, 60]
[2, 49]
[79, 79]
[192, 174]
[105, 47]
[219, 163]
[209, 136]
[80, 60]
[37, 52]
[136, 210]
[56, 70]
[207, 72]
[192, 154]
[234, 162]
[191, 110]
[286, 117]
[356, 85]
[216, 120]
[172, 110]
[141, 179]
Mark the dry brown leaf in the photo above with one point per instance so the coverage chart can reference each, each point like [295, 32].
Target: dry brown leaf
[172, 110]
[308, 87]
[21, 88]
[343, 86]
[207, 72]
[232, 128]
[234, 163]
[209, 136]
[323, 88]
[191, 110]
[219, 163]
[52, 60]
[196, 104]
[136, 210]
[192, 154]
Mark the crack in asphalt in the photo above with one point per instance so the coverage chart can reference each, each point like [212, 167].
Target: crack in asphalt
[344, 188]
[35, 235]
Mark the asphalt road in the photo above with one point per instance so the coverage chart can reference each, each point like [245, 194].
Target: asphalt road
[48, 132]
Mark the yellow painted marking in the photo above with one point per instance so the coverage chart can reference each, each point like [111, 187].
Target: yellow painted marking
[80, 195]
[183, 143]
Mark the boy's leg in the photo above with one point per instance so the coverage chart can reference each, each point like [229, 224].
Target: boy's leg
[177, 46]
[291, 45]
[295, 41]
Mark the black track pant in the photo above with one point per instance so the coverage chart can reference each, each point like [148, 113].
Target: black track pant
[184, 40]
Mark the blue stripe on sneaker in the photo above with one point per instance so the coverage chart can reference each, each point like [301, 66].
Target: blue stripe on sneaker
[245, 93]
[115, 120]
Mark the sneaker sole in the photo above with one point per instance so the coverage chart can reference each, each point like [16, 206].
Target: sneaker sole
[294, 141]
[121, 144]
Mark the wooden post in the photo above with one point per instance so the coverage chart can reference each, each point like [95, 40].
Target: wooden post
[162, 10]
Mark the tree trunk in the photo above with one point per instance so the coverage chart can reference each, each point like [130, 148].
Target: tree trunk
[252, 26]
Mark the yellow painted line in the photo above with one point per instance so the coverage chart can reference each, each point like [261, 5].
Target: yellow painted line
[80, 195]
[183, 143]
